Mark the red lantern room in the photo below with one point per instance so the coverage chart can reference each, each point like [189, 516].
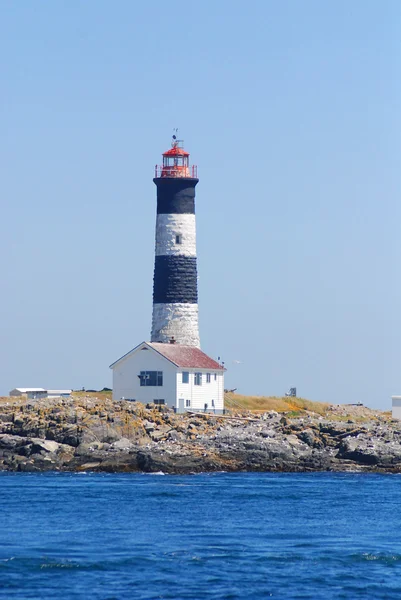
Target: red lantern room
[176, 163]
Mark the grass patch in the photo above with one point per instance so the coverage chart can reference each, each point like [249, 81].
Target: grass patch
[101, 395]
[283, 404]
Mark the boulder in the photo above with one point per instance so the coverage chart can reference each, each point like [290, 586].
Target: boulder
[86, 448]
[370, 452]
[12, 442]
[175, 435]
[149, 427]
[308, 436]
[122, 444]
[39, 445]
[158, 435]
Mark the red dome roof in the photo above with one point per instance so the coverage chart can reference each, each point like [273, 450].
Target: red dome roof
[176, 151]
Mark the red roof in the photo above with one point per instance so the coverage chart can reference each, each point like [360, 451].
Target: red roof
[186, 356]
[176, 151]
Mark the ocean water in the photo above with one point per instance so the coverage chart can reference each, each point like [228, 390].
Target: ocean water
[208, 536]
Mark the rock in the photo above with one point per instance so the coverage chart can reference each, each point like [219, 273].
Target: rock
[175, 435]
[46, 445]
[28, 467]
[44, 463]
[88, 433]
[272, 414]
[122, 444]
[158, 435]
[268, 433]
[90, 466]
[86, 448]
[308, 436]
[368, 452]
[70, 440]
[155, 462]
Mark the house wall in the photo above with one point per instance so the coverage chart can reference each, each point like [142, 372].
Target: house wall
[199, 395]
[36, 395]
[396, 409]
[126, 383]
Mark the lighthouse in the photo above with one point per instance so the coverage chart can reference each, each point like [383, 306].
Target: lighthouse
[175, 284]
[171, 369]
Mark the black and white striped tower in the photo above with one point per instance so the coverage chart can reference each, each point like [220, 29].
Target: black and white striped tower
[175, 286]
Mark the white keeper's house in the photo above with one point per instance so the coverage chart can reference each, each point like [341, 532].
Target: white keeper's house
[181, 377]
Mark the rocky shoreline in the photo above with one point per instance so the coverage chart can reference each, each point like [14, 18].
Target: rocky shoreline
[95, 434]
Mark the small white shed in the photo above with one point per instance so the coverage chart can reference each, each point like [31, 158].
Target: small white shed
[58, 393]
[32, 393]
[181, 377]
[36, 393]
[396, 407]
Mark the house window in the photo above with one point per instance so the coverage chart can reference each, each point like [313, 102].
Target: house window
[151, 378]
[187, 403]
[215, 376]
[185, 377]
[159, 401]
[207, 377]
[178, 239]
[198, 379]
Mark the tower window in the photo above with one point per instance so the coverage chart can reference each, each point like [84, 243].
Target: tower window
[178, 239]
[198, 379]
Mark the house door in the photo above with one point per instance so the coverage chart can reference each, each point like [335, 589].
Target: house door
[181, 405]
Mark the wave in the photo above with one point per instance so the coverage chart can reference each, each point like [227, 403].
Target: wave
[382, 557]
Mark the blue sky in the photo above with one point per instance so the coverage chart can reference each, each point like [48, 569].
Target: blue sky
[291, 111]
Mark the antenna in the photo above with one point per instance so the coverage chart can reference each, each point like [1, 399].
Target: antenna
[175, 141]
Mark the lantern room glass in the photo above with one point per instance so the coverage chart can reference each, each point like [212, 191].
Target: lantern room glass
[175, 161]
